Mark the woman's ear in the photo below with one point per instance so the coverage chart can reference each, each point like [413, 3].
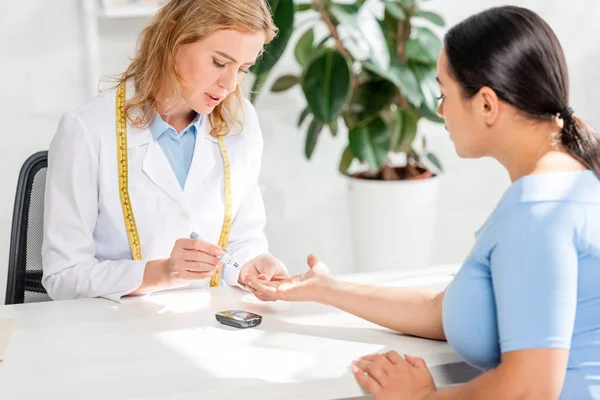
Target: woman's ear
[487, 105]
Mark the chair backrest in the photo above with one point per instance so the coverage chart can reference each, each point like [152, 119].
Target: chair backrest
[24, 283]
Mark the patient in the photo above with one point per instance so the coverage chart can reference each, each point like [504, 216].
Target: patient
[525, 305]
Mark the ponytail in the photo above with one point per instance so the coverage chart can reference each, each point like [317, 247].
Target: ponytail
[581, 141]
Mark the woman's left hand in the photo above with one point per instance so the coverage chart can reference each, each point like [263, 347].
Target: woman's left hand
[390, 376]
[264, 267]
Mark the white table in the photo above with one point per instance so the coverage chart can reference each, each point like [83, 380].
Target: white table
[170, 346]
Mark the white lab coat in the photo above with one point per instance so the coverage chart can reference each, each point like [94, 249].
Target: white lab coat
[86, 252]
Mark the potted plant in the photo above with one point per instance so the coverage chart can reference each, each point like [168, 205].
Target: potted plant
[377, 76]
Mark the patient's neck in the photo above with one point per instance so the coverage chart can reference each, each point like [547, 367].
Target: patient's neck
[532, 149]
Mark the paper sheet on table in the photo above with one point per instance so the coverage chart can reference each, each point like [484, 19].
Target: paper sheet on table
[6, 328]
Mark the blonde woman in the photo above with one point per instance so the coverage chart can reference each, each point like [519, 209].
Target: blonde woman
[173, 150]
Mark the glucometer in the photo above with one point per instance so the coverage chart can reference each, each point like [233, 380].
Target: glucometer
[238, 318]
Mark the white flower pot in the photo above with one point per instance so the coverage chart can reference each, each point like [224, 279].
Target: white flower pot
[392, 223]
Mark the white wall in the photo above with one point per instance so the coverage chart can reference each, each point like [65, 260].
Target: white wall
[42, 68]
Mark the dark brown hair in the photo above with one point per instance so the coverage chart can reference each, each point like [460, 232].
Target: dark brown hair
[513, 51]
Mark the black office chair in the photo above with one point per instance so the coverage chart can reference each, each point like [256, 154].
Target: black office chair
[25, 260]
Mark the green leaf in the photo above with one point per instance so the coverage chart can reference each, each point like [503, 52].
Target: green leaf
[327, 84]
[396, 127]
[257, 86]
[403, 77]
[314, 129]
[428, 114]
[396, 11]
[283, 17]
[305, 113]
[435, 18]
[424, 47]
[429, 89]
[389, 26]
[346, 160]
[370, 143]
[405, 3]
[303, 7]
[333, 127]
[284, 83]
[435, 161]
[352, 9]
[370, 29]
[322, 42]
[408, 131]
[304, 47]
[409, 83]
[414, 155]
[369, 98]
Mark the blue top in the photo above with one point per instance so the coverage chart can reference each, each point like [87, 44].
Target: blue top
[178, 147]
[532, 279]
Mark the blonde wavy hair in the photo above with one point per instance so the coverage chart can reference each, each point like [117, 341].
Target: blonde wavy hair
[153, 68]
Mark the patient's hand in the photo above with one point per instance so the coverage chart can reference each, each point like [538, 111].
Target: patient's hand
[310, 286]
[265, 268]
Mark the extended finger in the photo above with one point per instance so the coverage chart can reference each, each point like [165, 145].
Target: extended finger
[379, 359]
[199, 256]
[260, 286]
[270, 290]
[394, 357]
[373, 369]
[261, 296]
[366, 381]
[315, 264]
[200, 245]
[416, 362]
[312, 260]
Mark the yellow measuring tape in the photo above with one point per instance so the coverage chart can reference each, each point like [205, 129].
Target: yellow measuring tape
[123, 173]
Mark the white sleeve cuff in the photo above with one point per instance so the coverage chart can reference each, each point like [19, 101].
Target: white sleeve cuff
[136, 278]
[231, 275]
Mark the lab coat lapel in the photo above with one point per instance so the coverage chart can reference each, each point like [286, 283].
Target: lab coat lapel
[157, 168]
[155, 164]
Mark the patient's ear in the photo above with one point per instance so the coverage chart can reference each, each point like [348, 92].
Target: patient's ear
[487, 104]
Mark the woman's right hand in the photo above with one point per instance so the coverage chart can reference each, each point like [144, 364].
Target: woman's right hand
[193, 259]
[310, 286]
